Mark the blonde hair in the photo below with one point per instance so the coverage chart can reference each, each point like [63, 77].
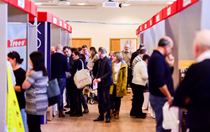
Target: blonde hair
[119, 56]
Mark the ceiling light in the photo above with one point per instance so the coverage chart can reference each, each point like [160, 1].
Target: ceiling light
[81, 3]
[170, 2]
[37, 3]
[125, 4]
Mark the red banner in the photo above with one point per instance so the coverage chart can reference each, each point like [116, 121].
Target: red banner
[16, 43]
[182, 4]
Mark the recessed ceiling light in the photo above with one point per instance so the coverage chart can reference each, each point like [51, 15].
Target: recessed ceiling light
[81, 3]
[37, 3]
[170, 2]
[125, 4]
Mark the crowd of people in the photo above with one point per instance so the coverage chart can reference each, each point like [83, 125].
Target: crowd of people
[114, 74]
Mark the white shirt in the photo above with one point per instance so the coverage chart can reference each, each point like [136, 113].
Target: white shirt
[140, 74]
[135, 61]
[116, 71]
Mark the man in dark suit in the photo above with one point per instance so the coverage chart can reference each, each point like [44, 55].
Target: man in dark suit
[59, 65]
[193, 92]
[70, 102]
[104, 80]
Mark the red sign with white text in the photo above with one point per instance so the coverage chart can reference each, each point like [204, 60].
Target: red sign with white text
[16, 43]
[170, 10]
[182, 4]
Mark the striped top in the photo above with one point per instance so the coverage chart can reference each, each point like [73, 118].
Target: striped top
[36, 95]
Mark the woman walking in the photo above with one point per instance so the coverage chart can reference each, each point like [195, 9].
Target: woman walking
[120, 83]
[35, 85]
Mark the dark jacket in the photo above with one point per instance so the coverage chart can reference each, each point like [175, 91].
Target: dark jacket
[71, 62]
[95, 68]
[105, 72]
[196, 86]
[59, 65]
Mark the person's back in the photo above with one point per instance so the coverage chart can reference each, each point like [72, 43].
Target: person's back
[58, 65]
[157, 64]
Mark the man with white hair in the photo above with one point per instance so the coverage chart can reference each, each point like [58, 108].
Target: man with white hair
[59, 67]
[193, 92]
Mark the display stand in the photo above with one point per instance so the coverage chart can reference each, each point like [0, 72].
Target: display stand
[14, 37]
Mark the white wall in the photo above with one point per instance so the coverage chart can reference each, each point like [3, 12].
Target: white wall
[100, 33]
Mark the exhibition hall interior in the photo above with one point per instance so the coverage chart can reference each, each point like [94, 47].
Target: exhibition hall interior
[105, 66]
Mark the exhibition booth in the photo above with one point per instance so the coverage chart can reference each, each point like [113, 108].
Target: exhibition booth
[16, 35]
[180, 21]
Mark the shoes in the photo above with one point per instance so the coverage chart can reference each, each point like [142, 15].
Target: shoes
[117, 114]
[69, 112]
[143, 116]
[75, 114]
[132, 113]
[86, 111]
[61, 114]
[107, 120]
[67, 106]
[99, 119]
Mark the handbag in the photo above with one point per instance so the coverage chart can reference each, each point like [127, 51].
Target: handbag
[82, 77]
[53, 92]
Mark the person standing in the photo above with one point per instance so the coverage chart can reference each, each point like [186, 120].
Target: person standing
[93, 57]
[20, 75]
[69, 93]
[139, 81]
[193, 92]
[137, 59]
[118, 90]
[59, 67]
[78, 64]
[161, 85]
[35, 85]
[85, 53]
[126, 53]
[104, 80]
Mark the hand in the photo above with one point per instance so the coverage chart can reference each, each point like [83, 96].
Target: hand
[28, 72]
[99, 80]
[122, 90]
[94, 81]
[170, 101]
[170, 60]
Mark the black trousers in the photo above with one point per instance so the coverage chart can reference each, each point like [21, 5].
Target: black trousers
[115, 101]
[138, 91]
[129, 77]
[104, 101]
[77, 100]
[205, 129]
[69, 88]
[33, 122]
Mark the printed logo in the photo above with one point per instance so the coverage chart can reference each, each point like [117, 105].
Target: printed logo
[61, 23]
[16, 43]
[157, 18]
[145, 26]
[54, 20]
[150, 22]
[21, 3]
[65, 25]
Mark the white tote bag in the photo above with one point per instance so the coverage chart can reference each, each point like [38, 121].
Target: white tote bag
[82, 78]
[169, 119]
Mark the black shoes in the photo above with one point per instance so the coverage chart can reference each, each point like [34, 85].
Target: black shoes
[107, 120]
[99, 119]
[76, 114]
[67, 106]
[143, 116]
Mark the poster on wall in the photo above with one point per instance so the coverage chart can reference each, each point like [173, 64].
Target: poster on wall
[17, 41]
[131, 42]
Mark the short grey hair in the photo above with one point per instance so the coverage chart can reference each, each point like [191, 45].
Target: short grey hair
[119, 56]
[202, 38]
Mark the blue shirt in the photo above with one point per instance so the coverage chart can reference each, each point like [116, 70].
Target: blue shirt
[159, 74]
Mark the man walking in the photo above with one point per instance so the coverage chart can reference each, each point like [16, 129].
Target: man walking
[104, 80]
[59, 65]
[161, 86]
[193, 92]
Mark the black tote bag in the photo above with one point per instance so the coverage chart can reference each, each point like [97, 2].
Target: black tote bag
[53, 92]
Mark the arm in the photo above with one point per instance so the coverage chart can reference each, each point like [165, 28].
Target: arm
[26, 85]
[185, 88]
[164, 90]
[125, 77]
[144, 74]
[66, 66]
[30, 79]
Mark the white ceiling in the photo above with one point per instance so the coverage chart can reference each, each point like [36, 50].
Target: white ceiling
[99, 2]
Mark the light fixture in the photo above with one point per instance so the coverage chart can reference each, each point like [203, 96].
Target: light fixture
[81, 3]
[37, 3]
[125, 4]
[170, 2]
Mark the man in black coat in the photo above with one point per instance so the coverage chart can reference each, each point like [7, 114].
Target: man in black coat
[67, 52]
[104, 80]
[193, 92]
[59, 65]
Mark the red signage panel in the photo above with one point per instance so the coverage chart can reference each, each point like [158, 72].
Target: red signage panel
[170, 10]
[158, 17]
[182, 4]
[16, 43]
